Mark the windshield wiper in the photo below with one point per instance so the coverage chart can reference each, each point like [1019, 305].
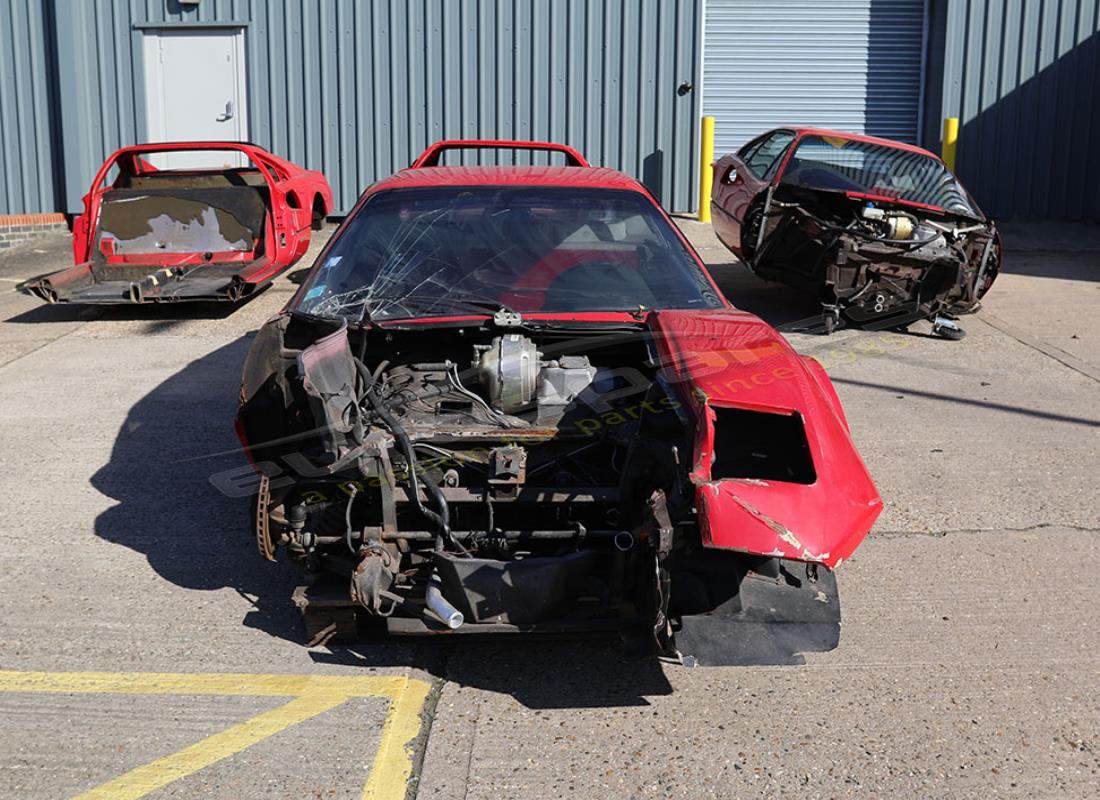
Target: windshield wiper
[503, 314]
[486, 303]
[441, 305]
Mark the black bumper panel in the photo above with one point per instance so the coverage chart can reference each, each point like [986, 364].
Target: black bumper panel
[771, 620]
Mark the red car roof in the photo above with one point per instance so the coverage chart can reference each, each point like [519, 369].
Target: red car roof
[252, 151]
[593, 177]
[162, 147]
[859, 137]
[577, 173]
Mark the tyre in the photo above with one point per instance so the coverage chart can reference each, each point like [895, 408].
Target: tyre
[750, 231]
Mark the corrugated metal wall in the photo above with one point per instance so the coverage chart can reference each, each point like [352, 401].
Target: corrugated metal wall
[357, 89]
[853, 65]
[27, 156]
[1023, 77]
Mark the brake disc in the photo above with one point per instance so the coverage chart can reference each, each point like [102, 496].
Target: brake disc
[264, 542]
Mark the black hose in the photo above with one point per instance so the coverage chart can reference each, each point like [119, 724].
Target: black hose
[440, 519]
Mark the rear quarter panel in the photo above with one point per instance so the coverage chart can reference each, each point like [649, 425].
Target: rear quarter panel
[730, 201]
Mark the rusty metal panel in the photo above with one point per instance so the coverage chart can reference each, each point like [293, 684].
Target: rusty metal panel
[358, 89]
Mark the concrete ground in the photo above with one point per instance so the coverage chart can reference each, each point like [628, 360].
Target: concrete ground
[967, 667]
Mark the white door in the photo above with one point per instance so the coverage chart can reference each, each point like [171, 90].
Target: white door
[195, 90]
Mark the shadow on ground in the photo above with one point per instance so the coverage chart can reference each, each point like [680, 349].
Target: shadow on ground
[1066, 265]
[162, 315]
[172, 441]
[181, 434]
[780, 306]
[538, 671]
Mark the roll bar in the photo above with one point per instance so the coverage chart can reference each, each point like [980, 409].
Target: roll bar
[430, 157]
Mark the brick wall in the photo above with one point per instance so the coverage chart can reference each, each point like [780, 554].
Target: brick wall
[15, 228]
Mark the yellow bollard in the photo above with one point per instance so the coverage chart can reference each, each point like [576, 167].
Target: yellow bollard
[950, 140]
[706, 168]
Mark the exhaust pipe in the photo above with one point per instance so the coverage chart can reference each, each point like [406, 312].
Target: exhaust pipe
[438, 605]
[151, 283]
[41, 289]
[236, 289]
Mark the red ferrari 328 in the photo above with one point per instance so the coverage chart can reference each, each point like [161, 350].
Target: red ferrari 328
[511, 399]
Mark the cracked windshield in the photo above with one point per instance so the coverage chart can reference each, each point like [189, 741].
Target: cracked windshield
[472, 250]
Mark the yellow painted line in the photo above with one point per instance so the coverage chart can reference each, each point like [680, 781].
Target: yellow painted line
[242, 684]
[310, 695]
[150, 777]
[389, 777]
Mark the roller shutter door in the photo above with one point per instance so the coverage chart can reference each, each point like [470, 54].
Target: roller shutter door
[853, 65]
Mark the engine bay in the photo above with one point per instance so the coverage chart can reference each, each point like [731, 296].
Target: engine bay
[516, 473]
[872, 262]
[511, 475]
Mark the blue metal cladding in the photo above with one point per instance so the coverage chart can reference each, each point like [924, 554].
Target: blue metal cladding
[27, 155]
[1023, 77]
[358, 89]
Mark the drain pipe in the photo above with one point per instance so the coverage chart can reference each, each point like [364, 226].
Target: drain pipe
[438, 605]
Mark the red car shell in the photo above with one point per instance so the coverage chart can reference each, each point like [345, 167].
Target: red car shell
[722, 358]
[799, 228]
[298, 195]
[296, 199]
[731, 196]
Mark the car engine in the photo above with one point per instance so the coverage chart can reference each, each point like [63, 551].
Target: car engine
[480, 460]
[874, 263]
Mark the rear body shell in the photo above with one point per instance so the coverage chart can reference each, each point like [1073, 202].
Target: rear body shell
[295, 199]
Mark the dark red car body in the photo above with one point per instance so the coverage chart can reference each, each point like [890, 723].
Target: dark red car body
[271, 204]
[731, 198]
[880, 230]
[729, 376]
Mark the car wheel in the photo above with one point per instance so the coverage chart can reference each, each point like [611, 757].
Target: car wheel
[750, 231]
[954, 334]
[830, 319]
[942, 326]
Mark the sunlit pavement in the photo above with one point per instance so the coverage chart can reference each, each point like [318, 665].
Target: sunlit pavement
[967, 663]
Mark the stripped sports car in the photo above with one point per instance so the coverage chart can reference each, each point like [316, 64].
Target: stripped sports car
[169, 222]
[511, 399]
[879, 230]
